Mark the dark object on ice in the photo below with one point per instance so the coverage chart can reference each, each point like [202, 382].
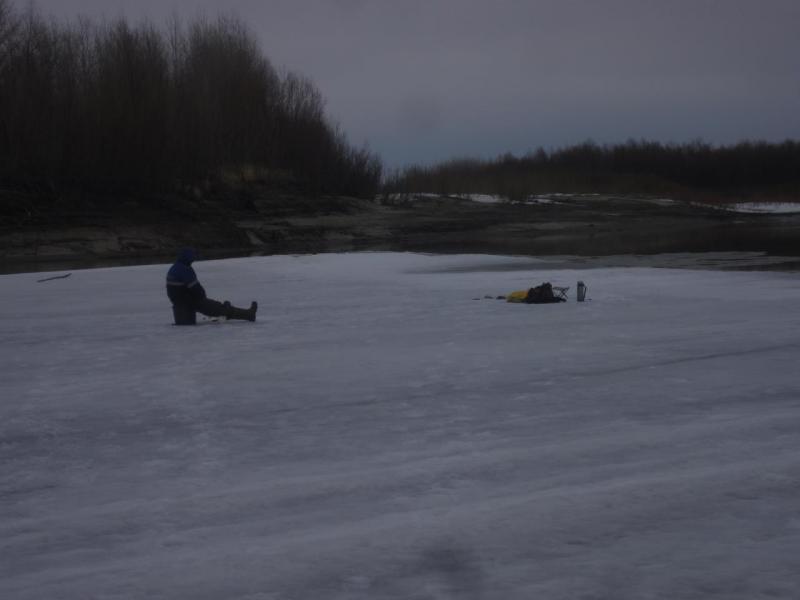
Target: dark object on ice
[188, 297]
[245, 314]
[500, 298]
[582, 291]
[542, 294]
[51, 278]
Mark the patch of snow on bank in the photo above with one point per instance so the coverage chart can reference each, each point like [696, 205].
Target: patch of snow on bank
[753, 207]
[766, 207]
[379, 434]
[536, 199]
[488, 198]
[660, 201]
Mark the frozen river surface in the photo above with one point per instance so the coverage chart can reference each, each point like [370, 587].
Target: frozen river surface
[379, 433]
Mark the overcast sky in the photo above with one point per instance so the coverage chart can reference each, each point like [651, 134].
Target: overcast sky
[426, 80]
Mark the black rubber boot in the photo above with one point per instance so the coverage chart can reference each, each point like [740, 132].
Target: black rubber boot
[244, 314]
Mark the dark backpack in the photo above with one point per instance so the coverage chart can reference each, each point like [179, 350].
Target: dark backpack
[541, 294]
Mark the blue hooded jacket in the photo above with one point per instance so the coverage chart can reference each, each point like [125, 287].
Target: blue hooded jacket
[183, 288]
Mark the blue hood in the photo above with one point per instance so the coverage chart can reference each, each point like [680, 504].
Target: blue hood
[186, 256]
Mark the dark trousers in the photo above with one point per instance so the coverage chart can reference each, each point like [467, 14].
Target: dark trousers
[186, 314]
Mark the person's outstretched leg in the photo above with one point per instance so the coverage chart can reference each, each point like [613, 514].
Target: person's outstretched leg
[212, 308]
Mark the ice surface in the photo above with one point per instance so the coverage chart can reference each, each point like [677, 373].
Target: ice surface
[380, 434]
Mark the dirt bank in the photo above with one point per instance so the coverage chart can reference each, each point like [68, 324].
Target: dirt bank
[269, 223]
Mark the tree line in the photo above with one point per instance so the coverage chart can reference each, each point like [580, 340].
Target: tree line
[633, 167]
[115, 107]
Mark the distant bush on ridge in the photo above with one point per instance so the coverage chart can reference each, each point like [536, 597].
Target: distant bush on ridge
[634, 167]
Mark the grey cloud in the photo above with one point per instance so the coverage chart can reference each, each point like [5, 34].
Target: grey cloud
[420, 113]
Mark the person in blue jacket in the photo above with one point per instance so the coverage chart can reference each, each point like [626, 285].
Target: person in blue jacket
[188, 297]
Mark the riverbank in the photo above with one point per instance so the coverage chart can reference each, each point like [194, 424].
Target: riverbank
[136, 232]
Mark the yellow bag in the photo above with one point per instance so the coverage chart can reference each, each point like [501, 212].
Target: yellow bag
[518, 296]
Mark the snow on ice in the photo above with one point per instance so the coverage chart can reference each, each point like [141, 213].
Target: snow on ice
[767, 207]
[378, 433]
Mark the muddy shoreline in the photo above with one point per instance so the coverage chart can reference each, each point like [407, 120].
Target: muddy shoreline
[588, 229]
